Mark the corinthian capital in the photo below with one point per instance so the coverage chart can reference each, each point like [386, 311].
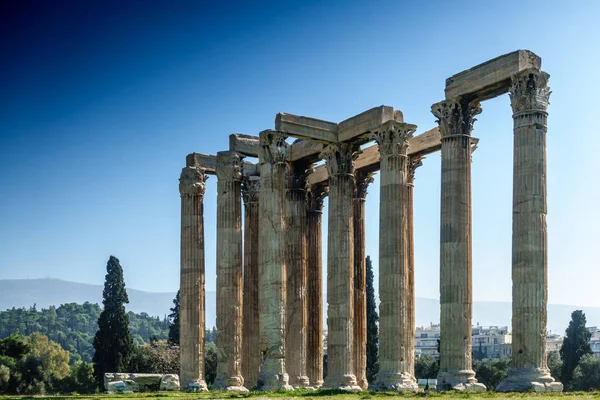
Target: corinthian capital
[315, 194]
[191, 181]
[339, 158]
[456, 116]
[250, 189]
[229, 166]
[273, 147]
[362, 180]
[414, 163]
[529, 91]
[392, 137]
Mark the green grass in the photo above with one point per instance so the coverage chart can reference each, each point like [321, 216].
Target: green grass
[316, 395]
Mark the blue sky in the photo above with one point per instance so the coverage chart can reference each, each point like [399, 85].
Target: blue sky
[101, 101]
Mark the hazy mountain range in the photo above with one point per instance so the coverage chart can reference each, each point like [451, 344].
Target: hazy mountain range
[46, 292]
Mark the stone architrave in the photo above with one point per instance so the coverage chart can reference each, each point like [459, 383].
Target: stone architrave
[395, 327]
[362, 181]
[315, 194]
[191, 318]
[272, 261]
[251, 357]
[229, 273]
[455, 118]
[296, 253]
[339, 159]
[529, 95]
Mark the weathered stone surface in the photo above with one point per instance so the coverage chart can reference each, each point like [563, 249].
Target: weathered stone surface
[529, 99]
[339, 158]
[362, 181]
[229, 273]
[493, 77]
[169, 382]
[271, 261]
[251, 357]
[455, 118]
[296, 253]
[246, 145]
[395, 334]
[314, 356]
[191, 317]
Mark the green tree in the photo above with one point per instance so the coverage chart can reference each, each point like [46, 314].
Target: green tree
[575, 345]
[210, 362]
[174, 321]
[491, 371]
[554, 364]
[372, 329]
[586, 376]
[426, 367]
[113, 343]
[14, 346]
[53, 358]
[157, 357]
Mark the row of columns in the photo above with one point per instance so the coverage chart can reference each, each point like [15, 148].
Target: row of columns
[282, 300]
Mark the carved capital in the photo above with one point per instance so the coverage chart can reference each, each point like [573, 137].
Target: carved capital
[273, 147]
[339, 158]
[414, 163]
[362, 181]
[315, 194]
[456, 116]
[392, 137]
[250, 189]
[229, 166]
[191, 181]
[529, 91]
[296, 179]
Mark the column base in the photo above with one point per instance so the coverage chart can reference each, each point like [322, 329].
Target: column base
[529, 379]
[347, 383]
[196, 386]
[462, 380]
[230, 384]
[395, 381]
[300, 382]
[316, 385]
[272, 376]
[363, 383]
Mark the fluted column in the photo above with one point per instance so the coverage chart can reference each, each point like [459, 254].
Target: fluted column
[455, 118]
[362, 181]
[529, 96]
[229, 273]
[296, 313]
[191, 317]
[339, 160]
[271, 261]
[395, 335]
[314, 296]
[251, 357]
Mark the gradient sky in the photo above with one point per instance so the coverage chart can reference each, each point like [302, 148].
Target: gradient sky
[102, 100]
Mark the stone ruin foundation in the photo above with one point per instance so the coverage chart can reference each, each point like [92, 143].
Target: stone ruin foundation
[269, 275]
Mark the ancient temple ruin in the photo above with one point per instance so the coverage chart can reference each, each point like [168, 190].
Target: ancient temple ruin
[269, 276]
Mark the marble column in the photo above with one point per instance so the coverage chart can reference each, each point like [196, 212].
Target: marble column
[251, 357]
[296, 253]
[191, 317]
[339, 160]
[272, 261]
[455, 118]
[529, 95]
[395, 335]
[314, 296]
[414, 163]
[229, 273]
[362, 181]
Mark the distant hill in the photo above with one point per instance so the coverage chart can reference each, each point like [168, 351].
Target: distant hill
[47, 292]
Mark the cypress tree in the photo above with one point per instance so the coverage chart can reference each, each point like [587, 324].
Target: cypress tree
[575, 345]
[113, 344]
[174, 321]
[372, 329]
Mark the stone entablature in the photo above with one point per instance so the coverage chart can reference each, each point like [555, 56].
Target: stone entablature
[283, 193]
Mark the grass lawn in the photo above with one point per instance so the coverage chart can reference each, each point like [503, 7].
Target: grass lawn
[316, 395]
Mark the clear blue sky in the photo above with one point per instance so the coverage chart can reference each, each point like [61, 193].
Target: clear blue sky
[101, 101]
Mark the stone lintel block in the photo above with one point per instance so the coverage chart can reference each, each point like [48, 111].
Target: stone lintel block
[306, 127]
[492, 78]
[305, 149]
[209, 163]
[368, 160]
[354, 127]
[244, 144]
